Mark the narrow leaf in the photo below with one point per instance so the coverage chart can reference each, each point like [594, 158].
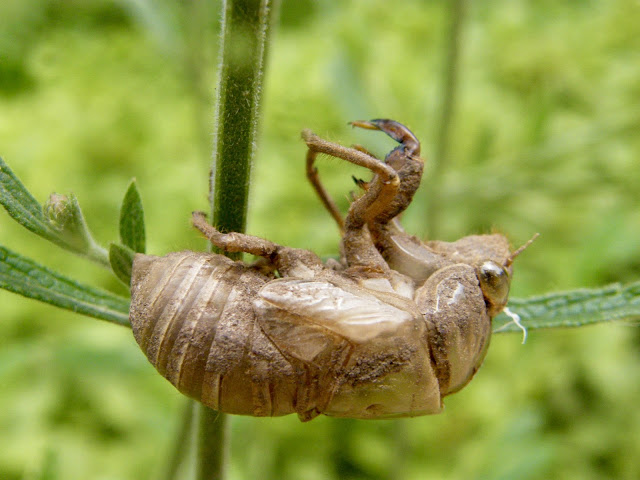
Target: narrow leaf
[30, 279]
[121, 259]
[21, 205]
[574, 308]
[62, 223]
[132, 231]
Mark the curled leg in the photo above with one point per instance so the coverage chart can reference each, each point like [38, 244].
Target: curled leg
[387, 174]
[388, 177]
[395, 130]
[325, 198]
[396, 179]
[289, 261]
[234, 242]
[386, 196]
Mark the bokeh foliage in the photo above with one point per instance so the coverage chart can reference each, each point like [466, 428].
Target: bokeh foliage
[545, 138]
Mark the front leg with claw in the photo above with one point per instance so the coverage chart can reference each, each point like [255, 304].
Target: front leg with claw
[387, 195]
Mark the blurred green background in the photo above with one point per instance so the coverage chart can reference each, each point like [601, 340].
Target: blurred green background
[545, 138]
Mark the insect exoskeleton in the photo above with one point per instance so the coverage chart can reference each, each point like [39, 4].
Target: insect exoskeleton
[392, 331]
[244, 343]
[387, 195]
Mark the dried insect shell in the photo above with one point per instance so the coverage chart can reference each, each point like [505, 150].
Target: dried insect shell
[391, 331]
[192, 315]
[245, 343]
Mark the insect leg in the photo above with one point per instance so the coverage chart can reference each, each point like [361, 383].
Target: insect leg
[233, 242]
[325, 198]
[405, 160]
[379, 211]
[395, 130]
[358, 247]
[285, 259]
[388, 176]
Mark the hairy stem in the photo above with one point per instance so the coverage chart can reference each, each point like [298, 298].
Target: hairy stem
[212, 441]
[246, 31]
[246, 28]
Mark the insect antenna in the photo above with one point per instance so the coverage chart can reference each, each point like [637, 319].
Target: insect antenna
[519, 250]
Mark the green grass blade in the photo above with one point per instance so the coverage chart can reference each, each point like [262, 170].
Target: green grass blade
[30, 279]
[132, 231]
[450, 89]
[573, 308]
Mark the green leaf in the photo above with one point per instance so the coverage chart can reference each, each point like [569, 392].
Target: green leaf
[21, 205]
[61, 222]
[30, 279]
[121, 259]
[132, 231]
[574, 308]
[64, 215]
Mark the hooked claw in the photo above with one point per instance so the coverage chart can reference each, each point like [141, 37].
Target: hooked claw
[395, 130]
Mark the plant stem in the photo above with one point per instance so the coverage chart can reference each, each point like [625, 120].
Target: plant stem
[246, 31]
[212, 441]
[98, 254]
[449, 89]
[246, 28]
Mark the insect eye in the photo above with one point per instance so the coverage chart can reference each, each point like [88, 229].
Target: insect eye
[494, 282]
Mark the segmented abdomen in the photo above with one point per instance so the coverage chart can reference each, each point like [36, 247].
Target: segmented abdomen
[192, 314]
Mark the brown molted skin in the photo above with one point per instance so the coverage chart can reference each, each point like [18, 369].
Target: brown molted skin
[191, 317]
[389, 332]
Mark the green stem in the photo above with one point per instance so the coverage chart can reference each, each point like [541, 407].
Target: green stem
[449, 89]
[213, 444]
[98, 254]
[246, 28]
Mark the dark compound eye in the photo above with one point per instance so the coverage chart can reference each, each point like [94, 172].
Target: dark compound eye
[494, 282]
